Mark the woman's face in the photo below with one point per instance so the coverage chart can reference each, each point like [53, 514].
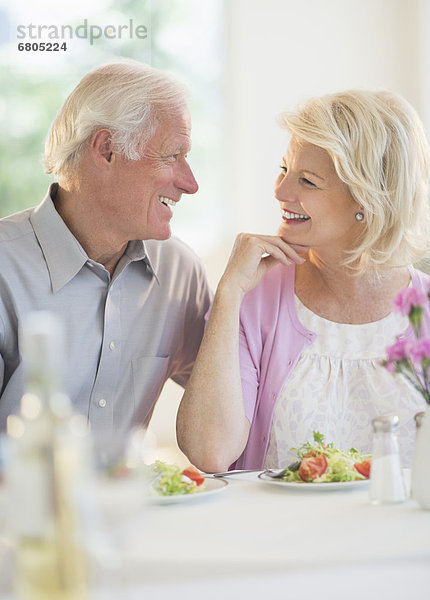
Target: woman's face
[318, 210]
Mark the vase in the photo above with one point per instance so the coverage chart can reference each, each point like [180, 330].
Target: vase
[420, 476]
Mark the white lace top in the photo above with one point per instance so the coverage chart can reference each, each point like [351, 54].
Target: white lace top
[338, 387]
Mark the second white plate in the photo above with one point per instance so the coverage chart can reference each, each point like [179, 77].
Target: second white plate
[315, 487]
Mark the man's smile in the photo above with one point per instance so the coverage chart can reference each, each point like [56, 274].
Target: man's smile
[167, 201]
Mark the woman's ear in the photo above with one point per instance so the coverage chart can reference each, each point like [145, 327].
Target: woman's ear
[101, 147]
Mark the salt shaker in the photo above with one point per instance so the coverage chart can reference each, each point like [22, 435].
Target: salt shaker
[387, 485]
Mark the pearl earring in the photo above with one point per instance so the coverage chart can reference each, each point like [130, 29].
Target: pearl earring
[359, 216]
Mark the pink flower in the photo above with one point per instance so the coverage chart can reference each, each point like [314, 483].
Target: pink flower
[419, 349]
[407, 298]
[391, 367]
[411, 358]
[398, 351]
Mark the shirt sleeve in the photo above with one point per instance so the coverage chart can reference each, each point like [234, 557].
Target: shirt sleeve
[1, 372]
[248, 374]
[1, 355]
[197, 302]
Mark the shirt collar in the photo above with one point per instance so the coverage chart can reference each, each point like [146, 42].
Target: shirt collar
[63, 254]
[136, 250]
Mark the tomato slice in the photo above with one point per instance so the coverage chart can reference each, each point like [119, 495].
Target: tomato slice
[314, 452]
[312, 467]
[363, 468]
[194, 474]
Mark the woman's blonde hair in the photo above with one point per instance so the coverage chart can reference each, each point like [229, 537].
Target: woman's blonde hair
[125, 97]
[378, 146]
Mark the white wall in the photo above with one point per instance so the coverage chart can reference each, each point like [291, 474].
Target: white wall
[283, 51]
[277, 53]
[424, 62]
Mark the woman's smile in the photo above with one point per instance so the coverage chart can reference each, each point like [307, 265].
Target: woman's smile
[293, 218]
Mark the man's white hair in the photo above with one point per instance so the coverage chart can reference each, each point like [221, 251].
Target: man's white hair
[127, 98]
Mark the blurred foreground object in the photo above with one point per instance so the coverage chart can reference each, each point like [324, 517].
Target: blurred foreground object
[420, 464]
[43, 471]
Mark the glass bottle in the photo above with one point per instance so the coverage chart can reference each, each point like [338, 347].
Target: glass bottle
[420, 473]
[43, 470]
[386, 477]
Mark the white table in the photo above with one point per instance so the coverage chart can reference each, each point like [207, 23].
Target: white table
[254, 540]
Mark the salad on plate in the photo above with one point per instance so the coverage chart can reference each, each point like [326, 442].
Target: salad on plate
[320, 462]
[172, 480]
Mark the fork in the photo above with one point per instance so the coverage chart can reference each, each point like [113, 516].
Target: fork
[279, 473]
[234, 472]
[274, 473]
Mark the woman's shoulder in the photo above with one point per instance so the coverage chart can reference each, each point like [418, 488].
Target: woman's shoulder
[419, 278]
[270, 302]
[277, 283]
[421, 281]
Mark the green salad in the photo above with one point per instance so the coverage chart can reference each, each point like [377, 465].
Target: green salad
[319, 462]
[173, 480]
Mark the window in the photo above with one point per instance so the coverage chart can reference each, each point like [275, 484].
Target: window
[183, 37]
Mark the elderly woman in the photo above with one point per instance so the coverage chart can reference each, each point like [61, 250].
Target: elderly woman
[301, 321]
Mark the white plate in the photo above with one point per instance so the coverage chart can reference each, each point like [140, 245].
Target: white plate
[315, 487]
[212, 486]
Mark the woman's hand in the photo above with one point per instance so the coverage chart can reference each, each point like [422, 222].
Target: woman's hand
[252, 257]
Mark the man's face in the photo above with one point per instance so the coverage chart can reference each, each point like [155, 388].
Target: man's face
[145, 190]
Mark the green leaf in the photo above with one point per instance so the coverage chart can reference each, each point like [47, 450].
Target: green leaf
[318, 437]
[415, 318]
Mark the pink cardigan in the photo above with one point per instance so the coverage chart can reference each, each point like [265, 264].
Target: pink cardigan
[271, 341]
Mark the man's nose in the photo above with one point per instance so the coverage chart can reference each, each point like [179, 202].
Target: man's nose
[187, 181]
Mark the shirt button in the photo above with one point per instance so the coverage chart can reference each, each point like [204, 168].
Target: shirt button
[89, 264]
[112, 345]
[102, 402]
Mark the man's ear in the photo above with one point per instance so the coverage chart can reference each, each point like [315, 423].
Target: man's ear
[101, 147]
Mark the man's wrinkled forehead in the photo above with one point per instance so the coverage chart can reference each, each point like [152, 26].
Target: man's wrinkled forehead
[176, 146]
[174, 131]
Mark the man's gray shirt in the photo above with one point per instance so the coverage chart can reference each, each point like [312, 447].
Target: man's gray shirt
[126, 334]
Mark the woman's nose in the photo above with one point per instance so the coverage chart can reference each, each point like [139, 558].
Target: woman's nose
[284, 191]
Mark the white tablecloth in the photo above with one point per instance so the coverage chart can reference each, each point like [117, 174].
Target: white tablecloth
[255, 540]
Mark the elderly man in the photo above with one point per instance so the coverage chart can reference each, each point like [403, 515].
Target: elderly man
[98, 252]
